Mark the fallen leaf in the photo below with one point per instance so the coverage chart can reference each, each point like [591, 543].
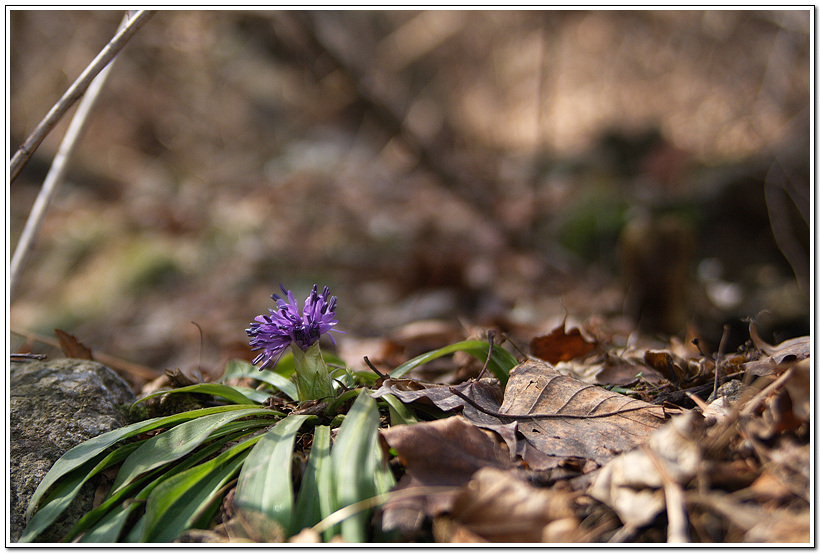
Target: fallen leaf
[632, 486]
[499, 507]
[671, 367]
[442, 453]
[560, 345]
[179, 379]
[71, 347]
[794, 349]
[439, 395]
[480, 393]
[564, 417]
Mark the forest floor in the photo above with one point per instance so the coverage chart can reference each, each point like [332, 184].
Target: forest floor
[556, 197]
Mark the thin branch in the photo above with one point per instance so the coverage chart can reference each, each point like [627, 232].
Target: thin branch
[131, 23]
[490, 339]
[60, 163]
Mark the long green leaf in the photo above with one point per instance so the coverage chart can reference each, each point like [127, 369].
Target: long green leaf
[314, 499]
[62, 496]
[88, 523]
[109, 528]
[112, 525]
[237, 368]
[501, 362]
[175, 443]
[265, 483]
[399, 413]
[220, 390]
[175, 504]
[354, 458]
[65, 492]
[81, 453]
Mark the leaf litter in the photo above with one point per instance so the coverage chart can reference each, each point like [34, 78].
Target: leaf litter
[559, 456]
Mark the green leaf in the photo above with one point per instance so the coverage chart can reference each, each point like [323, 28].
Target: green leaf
[238, 368]
[176, 504]
[501, 362]
[265, 483]
[220, 390]
[133, 535]
[355, 457]
[112, 526]
[314, 501]
[256, 396]
[279, 382]
[65, 492]
[109, 528]
[89, 521]
[81, 453]
[175, 443]
[399, 413]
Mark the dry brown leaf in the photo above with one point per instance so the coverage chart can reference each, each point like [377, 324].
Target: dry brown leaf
[564, 417]
[560, 345]
[632, 485]
[445, 452]
[794, 349]
[71, 347]
[670, 366]
[499, 507]
[440, 453]
[439, 395]
[789, 407]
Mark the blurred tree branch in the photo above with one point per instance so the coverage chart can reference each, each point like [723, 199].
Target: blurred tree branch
[131, 24]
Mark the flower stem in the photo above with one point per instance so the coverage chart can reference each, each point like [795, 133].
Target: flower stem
[312, 377]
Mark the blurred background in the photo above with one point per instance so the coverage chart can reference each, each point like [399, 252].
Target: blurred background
[645, 170]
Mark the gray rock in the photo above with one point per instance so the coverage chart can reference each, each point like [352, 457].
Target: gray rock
[54, 406]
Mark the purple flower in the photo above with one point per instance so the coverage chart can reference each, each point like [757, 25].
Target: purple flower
[285, 326]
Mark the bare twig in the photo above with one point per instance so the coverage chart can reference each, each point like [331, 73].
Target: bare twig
[22, 356]
[131, 23]
[59, 165]
[490, 339]
[719, 359]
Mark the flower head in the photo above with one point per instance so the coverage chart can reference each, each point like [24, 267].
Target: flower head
[285, 326]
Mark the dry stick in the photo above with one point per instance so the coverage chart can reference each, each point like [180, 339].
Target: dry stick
[719, 358]
[60, 163]
[127, 28]
[490, 339]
